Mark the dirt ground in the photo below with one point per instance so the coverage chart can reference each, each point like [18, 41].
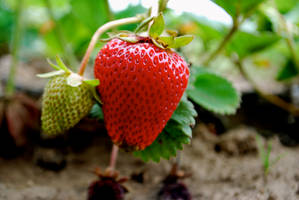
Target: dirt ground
[226, 167]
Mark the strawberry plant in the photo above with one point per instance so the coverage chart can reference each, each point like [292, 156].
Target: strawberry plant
[142, 81]
[144, 91]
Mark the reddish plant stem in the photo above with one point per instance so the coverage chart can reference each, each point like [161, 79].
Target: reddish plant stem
[113, 157]
[99, 32]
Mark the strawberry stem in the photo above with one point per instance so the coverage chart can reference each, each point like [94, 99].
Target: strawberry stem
[99, 32]
[10, 86]
[113, 157]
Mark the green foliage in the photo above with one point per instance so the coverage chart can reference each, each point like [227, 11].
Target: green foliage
[92, 13]
[176, 133]
[213, 92]
[232, 6]
[288, 71]
[188, 23]
[96, 112]
[285, 6]
[6, 24]
[246, 44]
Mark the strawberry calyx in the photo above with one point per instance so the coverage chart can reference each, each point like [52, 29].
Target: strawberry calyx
[108, 186]
[73, 79]
[164, 39]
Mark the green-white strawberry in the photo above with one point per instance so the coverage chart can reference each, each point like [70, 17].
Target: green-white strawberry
[67, 98]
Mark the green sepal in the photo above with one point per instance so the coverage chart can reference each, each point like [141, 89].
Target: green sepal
[123, 35]
[143, 24]
[95, 94]
[173, 33]
[92, 82]
[157, 27]
[61, 65]
[181, 41]
[53, 65]
[60, 69]
[131, 39]
[51, 74]
[158, 44]
[166, 41]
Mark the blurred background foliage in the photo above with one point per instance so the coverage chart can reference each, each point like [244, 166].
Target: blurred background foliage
[64, 27]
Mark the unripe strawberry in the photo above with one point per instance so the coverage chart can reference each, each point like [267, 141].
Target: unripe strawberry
[63, 105]
[141, 86]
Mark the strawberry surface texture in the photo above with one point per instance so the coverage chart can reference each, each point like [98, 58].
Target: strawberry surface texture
[63, 106]
[140, 87]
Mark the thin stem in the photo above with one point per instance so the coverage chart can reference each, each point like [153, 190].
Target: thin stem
[69, 54]
[162, 5]
[237, 21]
[275, 100]
[99, 32]
[113, 157]
[178, 159]
[10, 86]
[221, 46]
[289, 38]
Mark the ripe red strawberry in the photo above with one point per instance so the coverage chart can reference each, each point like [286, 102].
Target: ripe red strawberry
[140, 87]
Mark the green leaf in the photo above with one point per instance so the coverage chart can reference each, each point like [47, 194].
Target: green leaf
[185, 112]
[157, 27]
[213, 92]
[182, 41]
[176, 133]
[92, 82]
[232, 6]
[288, 71]
[245, 44]
[96, 112]
[51, 74]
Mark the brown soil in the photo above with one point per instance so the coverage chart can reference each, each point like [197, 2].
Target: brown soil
[226, 167]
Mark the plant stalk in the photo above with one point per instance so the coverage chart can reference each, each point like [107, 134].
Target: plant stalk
[113, 157]
[221, 46]
[99, 32]
[237, 21]
[10, 85]
[275, 100]
[68, 52]
[289, 38]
